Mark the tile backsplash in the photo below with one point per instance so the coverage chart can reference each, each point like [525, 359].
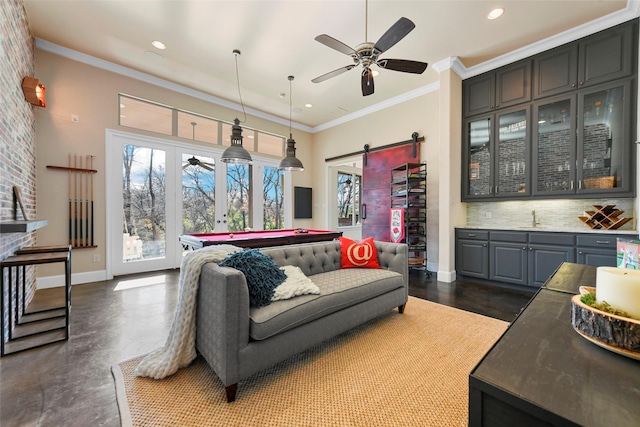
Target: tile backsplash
[561, 214]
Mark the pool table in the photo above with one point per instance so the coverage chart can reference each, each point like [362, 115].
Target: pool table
[258, 239]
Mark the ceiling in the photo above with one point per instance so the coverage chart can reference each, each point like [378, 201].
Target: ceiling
[276, 39]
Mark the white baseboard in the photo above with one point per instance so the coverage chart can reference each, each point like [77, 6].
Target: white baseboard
[76, 279]
[446, 276]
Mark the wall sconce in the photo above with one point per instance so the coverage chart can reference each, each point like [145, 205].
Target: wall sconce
[33, 91]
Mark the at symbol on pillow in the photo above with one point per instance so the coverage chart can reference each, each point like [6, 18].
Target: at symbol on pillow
[359, 255]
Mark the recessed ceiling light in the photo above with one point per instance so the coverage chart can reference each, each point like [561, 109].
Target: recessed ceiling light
[158, 45]
[495, 13]
[308, 105]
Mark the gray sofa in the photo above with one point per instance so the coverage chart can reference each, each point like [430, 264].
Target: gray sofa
[238, 340]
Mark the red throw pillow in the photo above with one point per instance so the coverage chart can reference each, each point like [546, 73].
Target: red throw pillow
[359, 255]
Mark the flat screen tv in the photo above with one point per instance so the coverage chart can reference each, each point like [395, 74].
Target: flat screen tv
[302, 202]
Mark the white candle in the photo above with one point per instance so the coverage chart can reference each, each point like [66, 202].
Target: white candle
[620, 288]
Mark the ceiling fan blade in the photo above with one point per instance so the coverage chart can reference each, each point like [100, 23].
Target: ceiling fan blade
[367, 82]
[332, 74]
[186, 165]
[335, 44]
[403, 65]
[394, 34]
[205, 166]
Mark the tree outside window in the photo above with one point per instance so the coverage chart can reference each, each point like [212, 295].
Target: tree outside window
[348, 194]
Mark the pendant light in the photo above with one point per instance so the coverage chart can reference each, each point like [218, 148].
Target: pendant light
[236, 153]
[291, 162]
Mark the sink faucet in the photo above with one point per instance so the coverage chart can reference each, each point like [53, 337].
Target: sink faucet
[535, 221]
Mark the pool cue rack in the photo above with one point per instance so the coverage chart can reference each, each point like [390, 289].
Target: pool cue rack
[81, 200]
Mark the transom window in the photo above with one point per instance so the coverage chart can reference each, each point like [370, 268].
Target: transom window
[154, 117]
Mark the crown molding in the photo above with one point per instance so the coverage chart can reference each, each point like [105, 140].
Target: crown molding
[630, 12]
[148, 78]
[433, 87]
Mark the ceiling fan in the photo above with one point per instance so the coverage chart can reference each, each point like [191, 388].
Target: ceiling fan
[193, 161]
[367, 54]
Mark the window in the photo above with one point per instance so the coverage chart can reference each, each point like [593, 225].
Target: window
[147, 115]
[273, 198]
[348, 194]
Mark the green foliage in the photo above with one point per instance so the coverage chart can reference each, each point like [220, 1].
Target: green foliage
[590, 300]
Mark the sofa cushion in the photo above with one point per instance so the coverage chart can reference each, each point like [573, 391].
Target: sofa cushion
[296, 284]
[261, 273]
[339, 289]
[358, 254]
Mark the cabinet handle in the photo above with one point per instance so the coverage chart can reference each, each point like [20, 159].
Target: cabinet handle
[572, 185]
[524, 248]
[581, 252]
[472, 234]
[581, 83]
[603, 242]
[484, 245]
[573, 85]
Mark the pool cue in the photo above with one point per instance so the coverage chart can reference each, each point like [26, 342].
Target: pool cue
[81, 198]
[75, 198]
[70, 205]
[91, 173]
[86, 234]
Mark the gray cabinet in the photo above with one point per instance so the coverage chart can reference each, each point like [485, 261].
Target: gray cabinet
[472, 253]
[497, 151]
[589, 156]
[578, 139]
[528, 258]
[547, 251]
[508, 257]
[599, 58]
[596, 250]
[505, 87]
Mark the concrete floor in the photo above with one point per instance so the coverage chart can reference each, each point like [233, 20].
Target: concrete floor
[70, 383]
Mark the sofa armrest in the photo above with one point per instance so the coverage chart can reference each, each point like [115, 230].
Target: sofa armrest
[394, 257]
[222, 325]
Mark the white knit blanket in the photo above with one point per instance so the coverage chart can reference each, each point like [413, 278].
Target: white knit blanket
[180, 347]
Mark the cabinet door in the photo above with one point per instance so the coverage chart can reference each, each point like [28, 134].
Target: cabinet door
[508, 262]
[472, 258]
[606, 56]
[596, 256]
[604, 139]
[512, 153]
[545, 259]
[479, 94]
[478, 178]
[555, 71]
[554, 147]
[513, 84]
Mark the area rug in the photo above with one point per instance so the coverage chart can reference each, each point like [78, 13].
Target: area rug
[401, 369]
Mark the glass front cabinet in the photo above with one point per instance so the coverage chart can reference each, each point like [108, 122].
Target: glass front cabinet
[581, 142]
[497, 152]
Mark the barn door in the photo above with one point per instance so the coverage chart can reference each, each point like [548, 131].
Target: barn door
[376, 182]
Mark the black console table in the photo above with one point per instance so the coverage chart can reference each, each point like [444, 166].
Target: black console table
[43, 321]
[543, 373]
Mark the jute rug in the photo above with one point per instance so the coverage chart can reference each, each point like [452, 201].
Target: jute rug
[401, 369]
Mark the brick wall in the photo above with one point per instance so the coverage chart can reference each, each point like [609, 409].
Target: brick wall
[17, 129]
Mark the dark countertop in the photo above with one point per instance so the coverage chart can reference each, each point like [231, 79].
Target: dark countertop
[544, 364]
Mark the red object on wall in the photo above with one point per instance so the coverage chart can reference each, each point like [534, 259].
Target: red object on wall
[396, 225]
[376, 187]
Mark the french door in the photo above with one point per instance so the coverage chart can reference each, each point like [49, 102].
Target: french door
[158, 189]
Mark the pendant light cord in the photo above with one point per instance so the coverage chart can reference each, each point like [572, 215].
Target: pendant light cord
[290, 107]
[236, 53]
